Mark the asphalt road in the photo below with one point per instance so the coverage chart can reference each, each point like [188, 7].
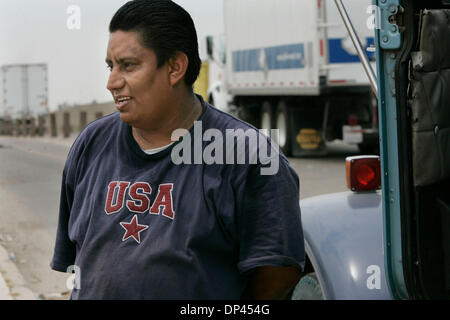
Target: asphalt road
[30, 180]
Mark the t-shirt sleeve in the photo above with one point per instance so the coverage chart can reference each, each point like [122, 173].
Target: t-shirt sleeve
[65, 249]
[64, 252]
[269, 226]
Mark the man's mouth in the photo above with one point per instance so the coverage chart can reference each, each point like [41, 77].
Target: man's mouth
[122, 101]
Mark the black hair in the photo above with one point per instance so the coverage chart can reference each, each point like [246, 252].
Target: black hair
[164, 27]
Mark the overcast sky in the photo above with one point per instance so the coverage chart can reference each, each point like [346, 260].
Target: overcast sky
[36, 31]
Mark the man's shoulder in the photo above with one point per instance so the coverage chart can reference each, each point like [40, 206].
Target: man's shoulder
[221, 120]
[100, 126]
[102, 123]
[97, 131]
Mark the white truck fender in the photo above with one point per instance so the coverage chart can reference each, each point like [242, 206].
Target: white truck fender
[344, 242]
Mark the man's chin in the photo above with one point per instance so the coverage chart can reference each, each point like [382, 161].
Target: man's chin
[126, 117]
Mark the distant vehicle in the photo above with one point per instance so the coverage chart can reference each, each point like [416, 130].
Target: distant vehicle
[24, 91]
[392, 243]
[288, 64]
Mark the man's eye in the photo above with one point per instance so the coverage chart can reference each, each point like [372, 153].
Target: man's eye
[109, 68]
[128, 65]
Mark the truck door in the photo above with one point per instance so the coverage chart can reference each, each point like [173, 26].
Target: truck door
[413, 77]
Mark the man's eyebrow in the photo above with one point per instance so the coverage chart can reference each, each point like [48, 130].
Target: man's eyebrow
[121, 60]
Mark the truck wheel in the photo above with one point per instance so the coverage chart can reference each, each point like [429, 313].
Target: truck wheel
[308, 288]
[283, 124]
[267, 117]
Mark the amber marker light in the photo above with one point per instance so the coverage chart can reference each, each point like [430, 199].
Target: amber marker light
[363, 173]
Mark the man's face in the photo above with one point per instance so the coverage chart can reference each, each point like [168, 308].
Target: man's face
[138, 87]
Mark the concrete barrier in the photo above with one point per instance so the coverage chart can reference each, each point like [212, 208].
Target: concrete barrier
[62, 123]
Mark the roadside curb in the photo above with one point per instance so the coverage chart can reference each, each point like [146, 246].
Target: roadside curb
[12, 284]
[4, 289]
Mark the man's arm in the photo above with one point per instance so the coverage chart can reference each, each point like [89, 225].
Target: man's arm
[271, 283]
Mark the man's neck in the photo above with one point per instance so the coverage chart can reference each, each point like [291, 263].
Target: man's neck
[187, 111]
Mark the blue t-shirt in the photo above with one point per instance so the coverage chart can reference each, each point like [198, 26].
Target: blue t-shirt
[138, 226]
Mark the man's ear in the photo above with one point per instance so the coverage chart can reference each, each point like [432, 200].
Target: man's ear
[178, 64]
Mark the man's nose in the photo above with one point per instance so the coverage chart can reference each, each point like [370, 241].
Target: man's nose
[115, 81]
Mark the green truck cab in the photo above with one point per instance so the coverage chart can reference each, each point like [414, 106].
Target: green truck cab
[414, 87]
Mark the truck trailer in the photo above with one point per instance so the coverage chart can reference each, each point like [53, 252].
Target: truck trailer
[290, 65]
[23, 97]
[24, 90]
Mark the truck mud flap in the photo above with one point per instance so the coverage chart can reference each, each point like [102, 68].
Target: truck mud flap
[307, 136]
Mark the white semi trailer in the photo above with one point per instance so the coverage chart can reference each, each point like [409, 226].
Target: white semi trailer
[290, 64]
[24, 91]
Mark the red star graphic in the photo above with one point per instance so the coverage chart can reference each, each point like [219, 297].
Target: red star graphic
[133, 228]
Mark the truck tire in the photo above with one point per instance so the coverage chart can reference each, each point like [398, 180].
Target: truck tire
[267, 117]
[283, 124]
[308, 288]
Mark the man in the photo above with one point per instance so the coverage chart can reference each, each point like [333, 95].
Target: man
[138, 226]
